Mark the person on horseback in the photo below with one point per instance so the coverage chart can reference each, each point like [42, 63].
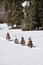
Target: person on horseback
[22, 41]
[16, 40]
[30, 42]
[8, 36]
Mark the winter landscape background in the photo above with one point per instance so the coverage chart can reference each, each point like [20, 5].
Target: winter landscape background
[15, 54]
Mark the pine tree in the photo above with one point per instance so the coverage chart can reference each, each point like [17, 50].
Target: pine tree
[31, 14]
[41, 12]
[29, 19]
[14, 12]
[38, 13]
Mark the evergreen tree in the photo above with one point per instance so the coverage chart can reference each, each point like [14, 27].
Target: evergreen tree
[30, 15]
[38, 13]
[29, 19]
[41, 12]
[14, 12]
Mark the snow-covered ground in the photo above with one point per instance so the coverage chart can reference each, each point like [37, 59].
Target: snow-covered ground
[15, 54]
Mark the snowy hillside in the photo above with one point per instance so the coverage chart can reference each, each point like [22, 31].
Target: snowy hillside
[15, 54]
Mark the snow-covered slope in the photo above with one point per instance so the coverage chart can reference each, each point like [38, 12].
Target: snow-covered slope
[15, 54]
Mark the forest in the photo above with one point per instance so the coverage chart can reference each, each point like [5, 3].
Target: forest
[28, 17]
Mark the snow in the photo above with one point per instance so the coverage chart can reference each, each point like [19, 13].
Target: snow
[3, 25]
[15, 54]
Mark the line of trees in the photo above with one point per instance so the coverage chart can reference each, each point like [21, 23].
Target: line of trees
[28, 17]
